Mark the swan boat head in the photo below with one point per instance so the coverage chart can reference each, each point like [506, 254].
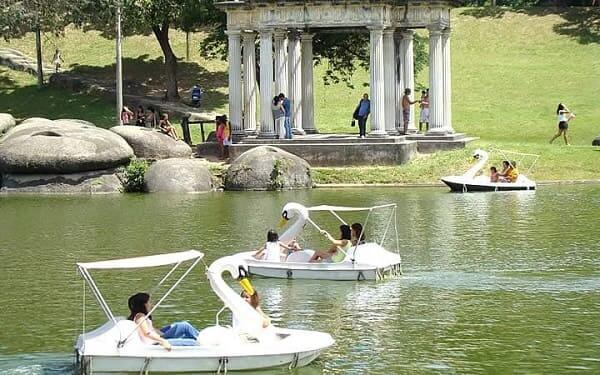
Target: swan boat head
[298, 214]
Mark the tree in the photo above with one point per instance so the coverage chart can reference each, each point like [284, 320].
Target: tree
[18, 17]
[146, 17]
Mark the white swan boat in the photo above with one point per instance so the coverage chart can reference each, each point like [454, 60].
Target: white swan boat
[365, 261]
[470, 182]
[117, 347]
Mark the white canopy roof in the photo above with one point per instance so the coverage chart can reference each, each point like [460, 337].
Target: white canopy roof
[144, 262]
[341, 208]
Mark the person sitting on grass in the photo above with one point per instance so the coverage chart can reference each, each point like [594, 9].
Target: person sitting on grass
[166, 127]
[337, 252]
[494, 176]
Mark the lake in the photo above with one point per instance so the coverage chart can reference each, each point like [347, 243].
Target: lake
[492, 283]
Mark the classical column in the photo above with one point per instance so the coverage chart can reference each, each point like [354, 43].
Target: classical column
[234, 57]
[389, 72]
[447, 81]
[250, 86]
[436, 84]
[281, 62]
[267, 126]
[308, 99]
[377, 82]
[409, 74]
[295, 83]
[399, 52]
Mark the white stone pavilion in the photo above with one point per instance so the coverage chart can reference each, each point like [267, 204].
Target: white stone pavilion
[285, 29]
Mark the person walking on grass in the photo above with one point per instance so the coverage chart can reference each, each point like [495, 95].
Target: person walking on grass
[406, 103]
[362, 111]
[564, 116]
[57, 61]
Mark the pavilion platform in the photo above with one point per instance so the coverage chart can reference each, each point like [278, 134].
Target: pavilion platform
[338, 150]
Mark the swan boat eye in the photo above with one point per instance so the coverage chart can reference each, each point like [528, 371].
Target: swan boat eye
[284, 214]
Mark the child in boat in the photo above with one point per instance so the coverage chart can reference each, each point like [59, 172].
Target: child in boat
[494, 176]
[176, 334]
[275, 250]
[338, 249]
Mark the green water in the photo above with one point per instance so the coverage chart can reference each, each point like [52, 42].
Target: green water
[493, 282]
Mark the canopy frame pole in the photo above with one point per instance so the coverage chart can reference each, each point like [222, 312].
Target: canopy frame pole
[101, 301]
[386, 228]
[122, 342]
[338, 217]
[166, 276]
[397, 237]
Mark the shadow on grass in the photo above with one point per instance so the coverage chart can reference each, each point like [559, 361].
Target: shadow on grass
[29, 101]
[579, 23]
[7, 82]
[146, 77]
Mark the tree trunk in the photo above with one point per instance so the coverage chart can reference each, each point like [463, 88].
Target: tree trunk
[494, 3]
[187, 46]
[162, 34]
[38, 53]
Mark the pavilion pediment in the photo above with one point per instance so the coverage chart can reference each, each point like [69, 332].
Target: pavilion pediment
[256, 14]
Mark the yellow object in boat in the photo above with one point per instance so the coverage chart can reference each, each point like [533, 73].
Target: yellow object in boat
[247, 286]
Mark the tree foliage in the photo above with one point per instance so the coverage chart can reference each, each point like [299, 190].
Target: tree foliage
[18, 17]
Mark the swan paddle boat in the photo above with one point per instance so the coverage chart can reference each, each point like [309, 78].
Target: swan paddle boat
[363, 261]
[117, 347]
[470, 182]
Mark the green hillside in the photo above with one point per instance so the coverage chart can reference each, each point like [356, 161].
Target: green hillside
[509, 71]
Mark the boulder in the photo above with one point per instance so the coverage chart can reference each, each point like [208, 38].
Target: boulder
[96, 182]
[596, 141]
[268, 168]
[41, 146]
[152, 144]
[6, 122]
[178, 176]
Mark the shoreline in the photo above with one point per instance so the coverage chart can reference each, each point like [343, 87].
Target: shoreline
[440, 184]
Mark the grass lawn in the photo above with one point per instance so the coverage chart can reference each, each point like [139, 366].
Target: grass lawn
[509, 71]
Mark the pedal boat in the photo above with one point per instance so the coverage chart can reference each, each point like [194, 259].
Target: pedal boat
[365, 261]
[469, 182]
[116, 346]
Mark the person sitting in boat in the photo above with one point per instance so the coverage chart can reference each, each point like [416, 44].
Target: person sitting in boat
[510, 172]
[494, 175]
[338, 249]
[254, 301]
[176, 334]
[275, 250]
[357, 235]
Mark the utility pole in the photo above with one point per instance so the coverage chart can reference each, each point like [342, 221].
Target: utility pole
[38, 52]
[119, 75]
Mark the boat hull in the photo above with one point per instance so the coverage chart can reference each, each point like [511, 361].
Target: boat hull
[340, 274]
[140, 364]
[463, 186]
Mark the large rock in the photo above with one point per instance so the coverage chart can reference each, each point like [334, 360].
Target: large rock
[41, 146]
[178, 176]
[6, 122]
[96, 182]
[152, 144]
[596, 141]
[268, 168]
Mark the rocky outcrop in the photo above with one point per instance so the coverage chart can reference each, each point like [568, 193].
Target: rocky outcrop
[41, 146]
[95, 182]
[152, 144]
[6, 122]
[596, 141]
[268, 168]
[178, 176]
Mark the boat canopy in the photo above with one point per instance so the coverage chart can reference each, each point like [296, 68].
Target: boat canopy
[143, 262]
[347, 209]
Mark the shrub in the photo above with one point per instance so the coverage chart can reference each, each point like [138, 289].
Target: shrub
[133, 176]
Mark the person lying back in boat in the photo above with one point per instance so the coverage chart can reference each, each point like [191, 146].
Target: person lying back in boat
[510, 173]
[494, 176]
[275, 250]
[176, 334]
[254, 301]
[357, 235]
[338, 249]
